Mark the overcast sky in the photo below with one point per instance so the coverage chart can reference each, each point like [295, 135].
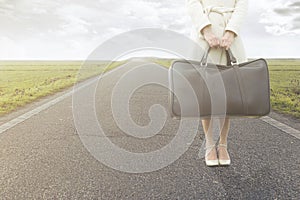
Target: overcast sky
[72, 29]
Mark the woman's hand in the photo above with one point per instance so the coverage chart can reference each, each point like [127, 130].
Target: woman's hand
[227, 39]
[210, 37]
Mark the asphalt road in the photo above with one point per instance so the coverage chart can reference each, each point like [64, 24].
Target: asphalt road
[44, 157]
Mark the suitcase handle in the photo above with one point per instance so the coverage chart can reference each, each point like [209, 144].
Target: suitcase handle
[231, 60]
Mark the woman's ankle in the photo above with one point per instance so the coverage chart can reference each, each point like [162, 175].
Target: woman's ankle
[224, 142]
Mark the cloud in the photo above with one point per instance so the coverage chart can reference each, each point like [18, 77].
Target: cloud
[282, 18]
[80, 24]
[64, 29]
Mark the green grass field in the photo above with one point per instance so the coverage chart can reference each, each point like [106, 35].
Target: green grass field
[25, 81]
[22, 82]
[285, 86]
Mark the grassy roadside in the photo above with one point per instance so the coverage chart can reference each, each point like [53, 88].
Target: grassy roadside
[22, 82]
[284, 83]
[285, 86]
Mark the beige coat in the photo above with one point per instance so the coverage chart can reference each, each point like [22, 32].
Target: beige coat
[222, 15]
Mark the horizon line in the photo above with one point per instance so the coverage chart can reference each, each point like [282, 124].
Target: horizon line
[164, 58]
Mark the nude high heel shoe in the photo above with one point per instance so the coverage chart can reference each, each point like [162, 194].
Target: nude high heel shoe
[221, 161]
[208, 162]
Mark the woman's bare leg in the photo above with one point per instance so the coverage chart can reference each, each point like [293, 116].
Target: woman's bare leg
[225, 122]
[208, 131]
[222, 151]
